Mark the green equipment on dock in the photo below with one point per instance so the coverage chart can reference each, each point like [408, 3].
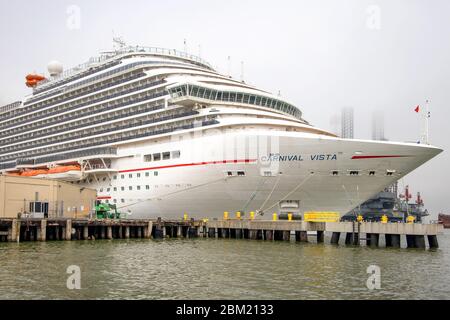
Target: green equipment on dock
[106, 211]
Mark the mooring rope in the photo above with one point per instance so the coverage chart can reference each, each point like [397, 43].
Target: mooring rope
[295, 189]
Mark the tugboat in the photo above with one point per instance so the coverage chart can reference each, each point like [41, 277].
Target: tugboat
[444, 219]
[396, 207]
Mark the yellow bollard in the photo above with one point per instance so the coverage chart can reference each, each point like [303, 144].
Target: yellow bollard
[274, 217]
[384, 218]
[410, 219]
[185, 217]
[289, 216]
[225, 215]
[238, 215]
[252, 215]
[205, 220]
[359, 218]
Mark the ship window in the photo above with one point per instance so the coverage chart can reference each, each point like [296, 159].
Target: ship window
[138, 175]
[230, 173]
[147, 187]
[138, 187]
[104, 179]
[176, 154]
[371, 173]
[147, 174]
[107, 201]
[267, 173]
[155, 173]
[130, 175]
[156, 156]
[115, 200]
[122, 200]
[166, 155]
[130, 188]
[101, 189]
[115, 177]
[241, 173]
[354, 172]
[115, 189]
[148, 158]
[335, 173]
[108, 189]
[252, 99]
[122, 176]
[122, 188]
[90, 180]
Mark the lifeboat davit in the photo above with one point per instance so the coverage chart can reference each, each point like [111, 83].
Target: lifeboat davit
[33, 79]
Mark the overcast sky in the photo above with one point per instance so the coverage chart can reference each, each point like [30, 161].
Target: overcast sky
[322, 55]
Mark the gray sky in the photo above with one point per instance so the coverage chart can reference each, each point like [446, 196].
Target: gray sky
[322, 55]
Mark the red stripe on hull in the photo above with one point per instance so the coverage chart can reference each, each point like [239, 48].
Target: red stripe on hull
[189, 165]
[103, 198]
[375, 157]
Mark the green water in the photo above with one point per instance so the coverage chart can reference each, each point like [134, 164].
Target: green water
[220, 269]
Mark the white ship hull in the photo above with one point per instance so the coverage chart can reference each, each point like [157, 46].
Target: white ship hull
[198, 183]
[161, 133]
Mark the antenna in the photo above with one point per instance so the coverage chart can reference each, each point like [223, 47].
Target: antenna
[242, 71]
[185, 45]
[426, 126]
[118, 43]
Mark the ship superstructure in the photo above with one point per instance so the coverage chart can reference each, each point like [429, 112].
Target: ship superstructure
[160, 132]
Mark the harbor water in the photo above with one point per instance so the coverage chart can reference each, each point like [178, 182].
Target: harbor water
[220, 269]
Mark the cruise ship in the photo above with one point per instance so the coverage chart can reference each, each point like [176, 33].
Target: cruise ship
[161, 133]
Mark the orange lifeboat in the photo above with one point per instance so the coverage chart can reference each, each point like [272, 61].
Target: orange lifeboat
[15, 174]
[62, 169]
[33, 79]
[32, 173]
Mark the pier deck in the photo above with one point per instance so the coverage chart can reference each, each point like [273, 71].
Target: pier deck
[32, 229]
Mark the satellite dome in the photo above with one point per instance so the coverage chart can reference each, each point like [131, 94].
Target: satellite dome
[55, 68]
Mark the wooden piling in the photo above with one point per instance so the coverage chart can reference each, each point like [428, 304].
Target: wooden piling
[320, 236]
[419, 241]
[109, 232]
[410, 241]
[432, 241]
[372, 239]
[335, 237]
[68, 230]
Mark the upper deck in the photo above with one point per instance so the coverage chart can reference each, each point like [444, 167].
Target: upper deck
[109, 58]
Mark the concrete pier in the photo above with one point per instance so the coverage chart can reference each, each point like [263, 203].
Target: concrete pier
[266, 230]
